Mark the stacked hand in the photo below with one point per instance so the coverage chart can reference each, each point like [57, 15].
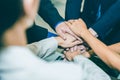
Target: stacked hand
[70, 41]
[74, 29]
[76, 50]
[78, 27]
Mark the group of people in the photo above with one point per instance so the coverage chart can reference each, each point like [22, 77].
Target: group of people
[85, 21]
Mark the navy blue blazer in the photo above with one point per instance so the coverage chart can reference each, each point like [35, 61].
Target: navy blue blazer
[49, 13]
[107, 26]
[89, 11]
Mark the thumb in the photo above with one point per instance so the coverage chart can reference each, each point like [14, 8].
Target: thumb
[74, 43]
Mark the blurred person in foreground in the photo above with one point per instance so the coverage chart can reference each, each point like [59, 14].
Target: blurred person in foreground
[17, 62]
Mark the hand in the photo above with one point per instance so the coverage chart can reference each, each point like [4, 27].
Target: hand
[69, 42]
[71, 52]
[77, 26]
[70, 55]
[63, 28]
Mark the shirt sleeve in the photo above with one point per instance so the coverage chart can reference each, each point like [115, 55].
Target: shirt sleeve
[89, 68]
[44, 47]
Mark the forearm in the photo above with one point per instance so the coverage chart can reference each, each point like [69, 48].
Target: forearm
[108, 56]
[115, 48]
[47, 11]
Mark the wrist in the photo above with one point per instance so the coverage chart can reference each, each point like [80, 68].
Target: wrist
[93, 32]
[86, 34]
[59, 40]
[58, 24]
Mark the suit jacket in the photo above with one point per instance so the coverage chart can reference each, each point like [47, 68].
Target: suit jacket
[49, 13]
[89, 10]
[36, 33]
[107, 31]
[108, 26]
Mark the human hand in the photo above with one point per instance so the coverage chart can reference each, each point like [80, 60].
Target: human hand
[77, 26]
[63, 28]
[70, 41]
[70, 55]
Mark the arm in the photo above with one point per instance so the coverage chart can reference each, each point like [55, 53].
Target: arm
[72, 10]
[49, 13]
[109, 56]
[115, 47]
[46, 47]
[108, 21]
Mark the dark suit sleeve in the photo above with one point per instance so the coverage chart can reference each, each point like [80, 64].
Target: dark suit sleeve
[73, 9]
[108, 21]
[49, 13]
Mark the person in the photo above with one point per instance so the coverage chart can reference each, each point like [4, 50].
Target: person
[107, 32]
[18, 63]
[92, 12]
[102, 50]
[57, 23]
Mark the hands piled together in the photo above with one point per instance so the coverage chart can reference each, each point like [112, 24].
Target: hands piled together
[71, 34]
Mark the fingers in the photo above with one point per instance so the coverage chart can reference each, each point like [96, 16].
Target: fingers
[65, 27]
[62, 34]
[74, 51]
[83, 51]
[75, 48]
[61, 30]
[82, 48]
[72, 33]
[70, 55]
[80, 20]
[74, 43]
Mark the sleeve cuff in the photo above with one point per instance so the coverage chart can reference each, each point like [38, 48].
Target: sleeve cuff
[58, 23]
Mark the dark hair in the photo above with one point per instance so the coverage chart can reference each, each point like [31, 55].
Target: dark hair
[10, 12]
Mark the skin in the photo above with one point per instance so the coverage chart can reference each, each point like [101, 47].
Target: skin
[110, 55]
[63, 28]
[70, 41]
